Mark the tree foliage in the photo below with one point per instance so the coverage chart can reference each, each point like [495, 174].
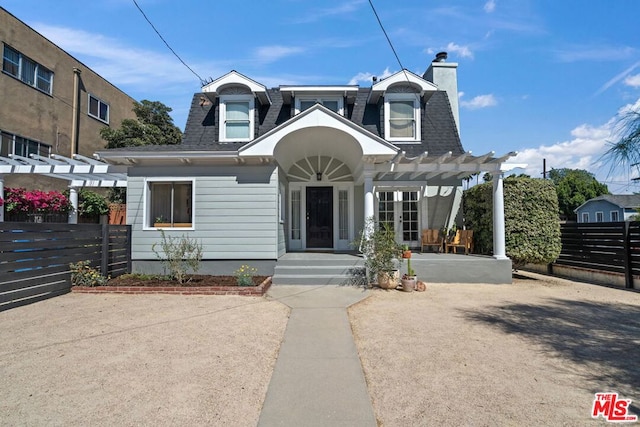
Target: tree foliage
[574, 187]
[625, 150]
[154, 126]
[532, 227]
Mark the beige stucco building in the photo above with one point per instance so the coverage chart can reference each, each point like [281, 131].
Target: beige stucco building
[51, 102]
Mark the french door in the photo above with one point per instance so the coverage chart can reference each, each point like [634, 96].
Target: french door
[400, 211]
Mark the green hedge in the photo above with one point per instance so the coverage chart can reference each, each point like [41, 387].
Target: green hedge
[532, 226]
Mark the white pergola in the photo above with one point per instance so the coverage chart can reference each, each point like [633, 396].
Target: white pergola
[79, 171]
[446, 166]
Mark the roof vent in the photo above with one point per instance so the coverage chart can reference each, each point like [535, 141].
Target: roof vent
[440, 57]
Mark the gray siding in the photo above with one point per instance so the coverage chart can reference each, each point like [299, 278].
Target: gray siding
[235, 215]
[282, 234]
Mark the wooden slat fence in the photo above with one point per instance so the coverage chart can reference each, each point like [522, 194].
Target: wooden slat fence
[606, 246]
[34, 258]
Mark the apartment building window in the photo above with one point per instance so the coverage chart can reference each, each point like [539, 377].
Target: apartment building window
[98, 109]
[19, 146]
[30, 72]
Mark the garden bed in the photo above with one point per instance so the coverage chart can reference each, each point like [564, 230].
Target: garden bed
[198, 285]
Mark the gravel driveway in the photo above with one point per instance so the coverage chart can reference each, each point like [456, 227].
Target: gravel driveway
[532, 353]
[124, 360]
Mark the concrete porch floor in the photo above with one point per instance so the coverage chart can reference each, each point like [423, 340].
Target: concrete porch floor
[429, 267]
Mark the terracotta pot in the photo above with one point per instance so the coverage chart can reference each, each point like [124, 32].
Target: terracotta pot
[388, 280]
[406, 254]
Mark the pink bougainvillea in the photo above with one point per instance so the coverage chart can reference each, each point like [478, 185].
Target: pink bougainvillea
[21, 200]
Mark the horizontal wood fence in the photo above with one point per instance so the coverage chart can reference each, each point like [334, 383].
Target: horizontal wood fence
[605, 246]
[34, 258]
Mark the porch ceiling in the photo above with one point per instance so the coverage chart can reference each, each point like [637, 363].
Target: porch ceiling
[79, 171]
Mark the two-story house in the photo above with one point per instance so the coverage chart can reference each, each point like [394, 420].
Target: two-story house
[51, 102]
[262, 172]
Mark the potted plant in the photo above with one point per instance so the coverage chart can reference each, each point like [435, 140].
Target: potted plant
[409, 279]
[382, 253]
[406, 252]
[161, 221]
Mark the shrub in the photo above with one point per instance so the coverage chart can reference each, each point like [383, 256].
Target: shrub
[82, 274]
[244, 275]
[178, 256]
[91, 203]
[36, 201]
[532, 226]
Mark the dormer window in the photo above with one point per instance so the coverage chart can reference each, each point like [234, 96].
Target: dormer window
[402, 117]
[236, 118]
[334, 104]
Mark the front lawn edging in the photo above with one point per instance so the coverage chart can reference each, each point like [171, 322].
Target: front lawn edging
[254, 291]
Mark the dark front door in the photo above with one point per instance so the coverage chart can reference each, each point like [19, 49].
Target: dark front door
[319, 217]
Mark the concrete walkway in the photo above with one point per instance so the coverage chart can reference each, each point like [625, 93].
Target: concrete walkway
[318, 379]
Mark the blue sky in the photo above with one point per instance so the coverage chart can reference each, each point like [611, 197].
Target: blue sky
[546, 78]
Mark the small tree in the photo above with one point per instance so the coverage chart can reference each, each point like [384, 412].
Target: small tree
[178, 256]
[574, 187]
[532, 226]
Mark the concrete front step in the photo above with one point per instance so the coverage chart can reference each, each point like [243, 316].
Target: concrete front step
[316, 271]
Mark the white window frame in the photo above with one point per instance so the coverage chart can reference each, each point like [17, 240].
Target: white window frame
[100, 102]
[391, 97]
[617, 216]
[148, 221]
[585, 216]
[320, 100]
[223, 114]
[599, 216]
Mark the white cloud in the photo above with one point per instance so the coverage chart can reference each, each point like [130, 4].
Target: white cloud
[344, 9]
[480, 101]
[462, 51]
[120, 63]
[617, 78]
[490, 6]
[267, 54]
[633, 81]
[366, 77]
[584, 150]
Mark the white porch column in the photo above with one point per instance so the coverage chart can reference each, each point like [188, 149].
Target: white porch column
[368, 200]
[498, 217]
[2, 197]
[73, 196]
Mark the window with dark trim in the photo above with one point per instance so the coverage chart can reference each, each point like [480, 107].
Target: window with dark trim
[19, 146]
[30, 72]
[98, 109]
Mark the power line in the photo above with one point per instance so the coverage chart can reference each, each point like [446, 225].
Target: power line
[385, 34]
[393, 49]
[202, 82]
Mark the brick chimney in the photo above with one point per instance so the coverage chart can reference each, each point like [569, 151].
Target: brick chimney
[445, 75]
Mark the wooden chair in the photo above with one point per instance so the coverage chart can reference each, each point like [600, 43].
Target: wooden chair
[462, 239]
[431, 237]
